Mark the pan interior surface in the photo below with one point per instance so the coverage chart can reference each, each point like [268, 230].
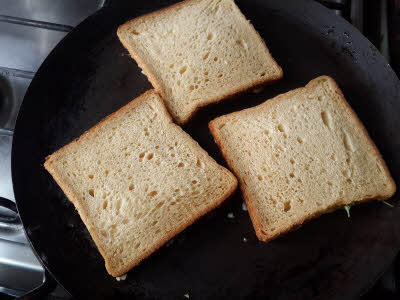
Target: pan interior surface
[90, 75]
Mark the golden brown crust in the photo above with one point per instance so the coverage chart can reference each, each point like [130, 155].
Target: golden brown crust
[155, 13]
[95, 234]
[127, 106]
[233, 93]
[295, 226]
[360, 126]
[149, 73]
[152, 77]
[155, 81]
[262, 236]
[71, 195]
[249, 203]
[82, 213]
[179, 230]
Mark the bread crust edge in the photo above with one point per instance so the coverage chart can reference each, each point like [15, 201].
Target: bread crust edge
[94, 233]
[156, 83]
[261, 235]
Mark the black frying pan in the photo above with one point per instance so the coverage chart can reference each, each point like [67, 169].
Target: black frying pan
[89, 75]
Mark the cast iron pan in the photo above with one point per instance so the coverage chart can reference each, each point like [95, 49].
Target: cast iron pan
[90, 75]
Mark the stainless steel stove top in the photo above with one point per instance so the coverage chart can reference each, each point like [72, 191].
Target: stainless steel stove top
[29, 30]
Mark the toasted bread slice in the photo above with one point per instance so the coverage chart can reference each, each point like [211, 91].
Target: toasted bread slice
[300, 155]
[198, 52]
[137, 180]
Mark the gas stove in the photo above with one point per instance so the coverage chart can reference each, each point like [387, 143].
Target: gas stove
[29, 30]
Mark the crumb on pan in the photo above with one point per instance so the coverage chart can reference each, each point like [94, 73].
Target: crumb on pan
[119, 278]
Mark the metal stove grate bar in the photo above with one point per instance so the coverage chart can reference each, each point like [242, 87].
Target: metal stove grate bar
[34, 23]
